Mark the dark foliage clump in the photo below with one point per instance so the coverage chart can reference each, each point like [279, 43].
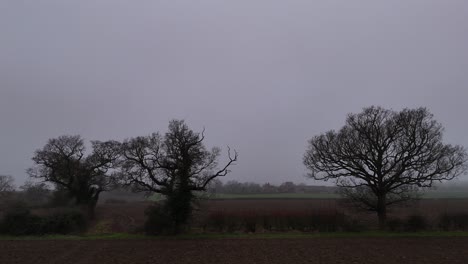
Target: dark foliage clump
[66, 222]
[413, 223]
[19, 221]
[82, 178]
[395, 225]
[416, 223]
[454, 222]
[158, 221]
[280, 221]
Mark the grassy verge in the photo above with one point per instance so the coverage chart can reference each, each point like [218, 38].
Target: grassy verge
[116, 236]
[123, 236]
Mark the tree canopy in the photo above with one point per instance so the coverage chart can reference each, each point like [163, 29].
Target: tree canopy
[380, 157]
[62, 161]
[174, 165]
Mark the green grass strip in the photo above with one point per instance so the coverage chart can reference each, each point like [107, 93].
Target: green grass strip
[124, 236]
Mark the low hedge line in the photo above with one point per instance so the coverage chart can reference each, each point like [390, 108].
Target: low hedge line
[326, 221]
[416, 223]
[20, 221]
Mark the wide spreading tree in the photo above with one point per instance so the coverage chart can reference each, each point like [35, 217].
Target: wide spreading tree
[62, 162]
[381, 157]
[174, 165]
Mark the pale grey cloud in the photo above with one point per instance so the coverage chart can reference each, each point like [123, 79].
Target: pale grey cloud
[260, 76]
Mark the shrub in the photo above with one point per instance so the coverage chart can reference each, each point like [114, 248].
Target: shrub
[415, 223]
[18, 221]
[322, 221]
[158, 221]
[395, 225]
[454, 222]
[217, 221]
[250, 223]
[65, 222]
[352, 225]
[327, 221]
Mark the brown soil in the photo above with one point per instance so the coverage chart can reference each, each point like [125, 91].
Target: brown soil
[313, 250]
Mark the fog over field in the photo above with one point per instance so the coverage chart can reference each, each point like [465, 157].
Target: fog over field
[262, 76]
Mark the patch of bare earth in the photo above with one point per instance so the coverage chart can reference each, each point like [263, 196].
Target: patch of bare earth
[313, 250]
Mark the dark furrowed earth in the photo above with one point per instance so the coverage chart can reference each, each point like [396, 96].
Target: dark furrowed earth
[303, 250]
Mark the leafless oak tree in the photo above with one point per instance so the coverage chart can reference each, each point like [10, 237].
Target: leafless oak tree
[380, 157]
[174, 165]
[62, 161]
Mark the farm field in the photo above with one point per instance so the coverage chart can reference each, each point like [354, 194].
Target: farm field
[307, 250]
[128, 217]
[246, 248]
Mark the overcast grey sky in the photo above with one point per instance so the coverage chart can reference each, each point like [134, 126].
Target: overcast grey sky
[260, 76]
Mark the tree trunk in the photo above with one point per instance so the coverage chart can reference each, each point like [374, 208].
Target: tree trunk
[382, 211]
[88, 207]
[92, 205]
[180, 208]
[91, 211]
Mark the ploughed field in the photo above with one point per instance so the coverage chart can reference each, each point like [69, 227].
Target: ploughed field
[305, 250]
[130, 217]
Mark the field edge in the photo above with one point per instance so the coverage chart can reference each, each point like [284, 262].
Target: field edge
[125, 236]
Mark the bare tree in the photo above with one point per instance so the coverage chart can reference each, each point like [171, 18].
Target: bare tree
[6, 185]
[174, 165]
[380, 157]
[62, 161]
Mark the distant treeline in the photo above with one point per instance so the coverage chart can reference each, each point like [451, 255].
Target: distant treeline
[235, 187]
